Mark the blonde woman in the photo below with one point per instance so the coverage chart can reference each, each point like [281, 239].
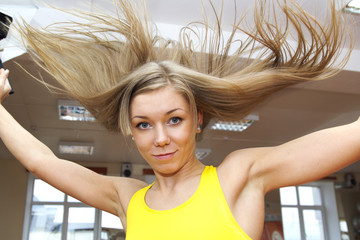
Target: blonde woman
[162, 94]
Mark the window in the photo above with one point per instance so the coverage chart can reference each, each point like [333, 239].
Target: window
[303, 213]
[344, 230]
[53, 215]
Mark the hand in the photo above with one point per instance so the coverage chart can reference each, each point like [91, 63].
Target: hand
[5, 87]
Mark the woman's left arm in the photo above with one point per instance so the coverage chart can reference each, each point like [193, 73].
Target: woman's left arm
[308, 158]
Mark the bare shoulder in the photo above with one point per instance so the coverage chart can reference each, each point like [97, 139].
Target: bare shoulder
[233, 167]
[242, 187]
[241, 160]
[239, 170]
[125, 188]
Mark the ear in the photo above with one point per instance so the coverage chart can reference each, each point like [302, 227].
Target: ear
[200, 118]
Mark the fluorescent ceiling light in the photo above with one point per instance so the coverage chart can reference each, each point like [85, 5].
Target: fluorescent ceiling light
[353, 6]
[71, 110]
[82, 148]
[235, 126]
[201, 153]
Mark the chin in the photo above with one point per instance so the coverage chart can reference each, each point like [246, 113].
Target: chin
[167, 169]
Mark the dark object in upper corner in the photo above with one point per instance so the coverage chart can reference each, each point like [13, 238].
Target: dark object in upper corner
[5, 22]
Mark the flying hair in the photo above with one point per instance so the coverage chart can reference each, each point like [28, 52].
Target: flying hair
[106, 60]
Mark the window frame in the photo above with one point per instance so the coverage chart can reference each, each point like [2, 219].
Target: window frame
[300, 208]
[328, 209]
[66, 205]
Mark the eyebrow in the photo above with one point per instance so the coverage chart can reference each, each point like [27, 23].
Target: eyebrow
[167, 113]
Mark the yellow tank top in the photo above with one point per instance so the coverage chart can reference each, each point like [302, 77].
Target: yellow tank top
[205, 215]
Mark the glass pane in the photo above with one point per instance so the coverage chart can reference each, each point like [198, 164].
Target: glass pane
[71, 199]
[46, 222]
[309, 196]
[111, 228]
[81, 223]
[314, 229]
[44, 192]
[291, 225]
[288, 196]
[343, 226]
[345, 236]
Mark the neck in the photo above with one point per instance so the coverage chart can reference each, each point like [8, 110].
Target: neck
[168, 182]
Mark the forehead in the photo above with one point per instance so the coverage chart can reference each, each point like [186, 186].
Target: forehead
[158, 101]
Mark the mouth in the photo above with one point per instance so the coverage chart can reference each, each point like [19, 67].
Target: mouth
[164, 156]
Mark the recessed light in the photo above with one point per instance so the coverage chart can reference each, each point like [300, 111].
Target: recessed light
[71, 110]
[82, 148]
[235, 126]
[353, 6]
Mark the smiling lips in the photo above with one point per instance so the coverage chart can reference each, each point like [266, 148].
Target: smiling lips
[164, 156]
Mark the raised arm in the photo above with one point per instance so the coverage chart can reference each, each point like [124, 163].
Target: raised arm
[107, 193]
[304, 159]
[311, 157]
[299, 161]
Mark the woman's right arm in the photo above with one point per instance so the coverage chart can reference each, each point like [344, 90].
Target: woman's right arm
[111, 194]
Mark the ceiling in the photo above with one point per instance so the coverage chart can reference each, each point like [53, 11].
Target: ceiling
[288, 114]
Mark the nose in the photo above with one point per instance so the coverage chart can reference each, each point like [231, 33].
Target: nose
[161, 137]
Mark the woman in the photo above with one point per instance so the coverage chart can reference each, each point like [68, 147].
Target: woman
[121, 82]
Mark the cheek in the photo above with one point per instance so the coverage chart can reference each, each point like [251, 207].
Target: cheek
[184, 136]
[142, 141]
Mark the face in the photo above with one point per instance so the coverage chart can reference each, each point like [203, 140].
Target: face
[162, 125]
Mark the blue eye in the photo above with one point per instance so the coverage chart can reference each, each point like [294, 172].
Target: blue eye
[143, 125]
[175, 120]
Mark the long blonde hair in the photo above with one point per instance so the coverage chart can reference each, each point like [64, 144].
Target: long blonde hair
[107, 60]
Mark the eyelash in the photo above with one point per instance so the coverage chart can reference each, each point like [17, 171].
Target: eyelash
[139, 125]
[178, 120]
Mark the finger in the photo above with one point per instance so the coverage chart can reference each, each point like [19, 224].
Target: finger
[4, 84]
[4, 73]
[7, 86]
[6, 93]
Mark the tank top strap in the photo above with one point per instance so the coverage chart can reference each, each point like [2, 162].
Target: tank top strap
[211, 187]
[138, 199]
[210, 182]
[209, 174]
